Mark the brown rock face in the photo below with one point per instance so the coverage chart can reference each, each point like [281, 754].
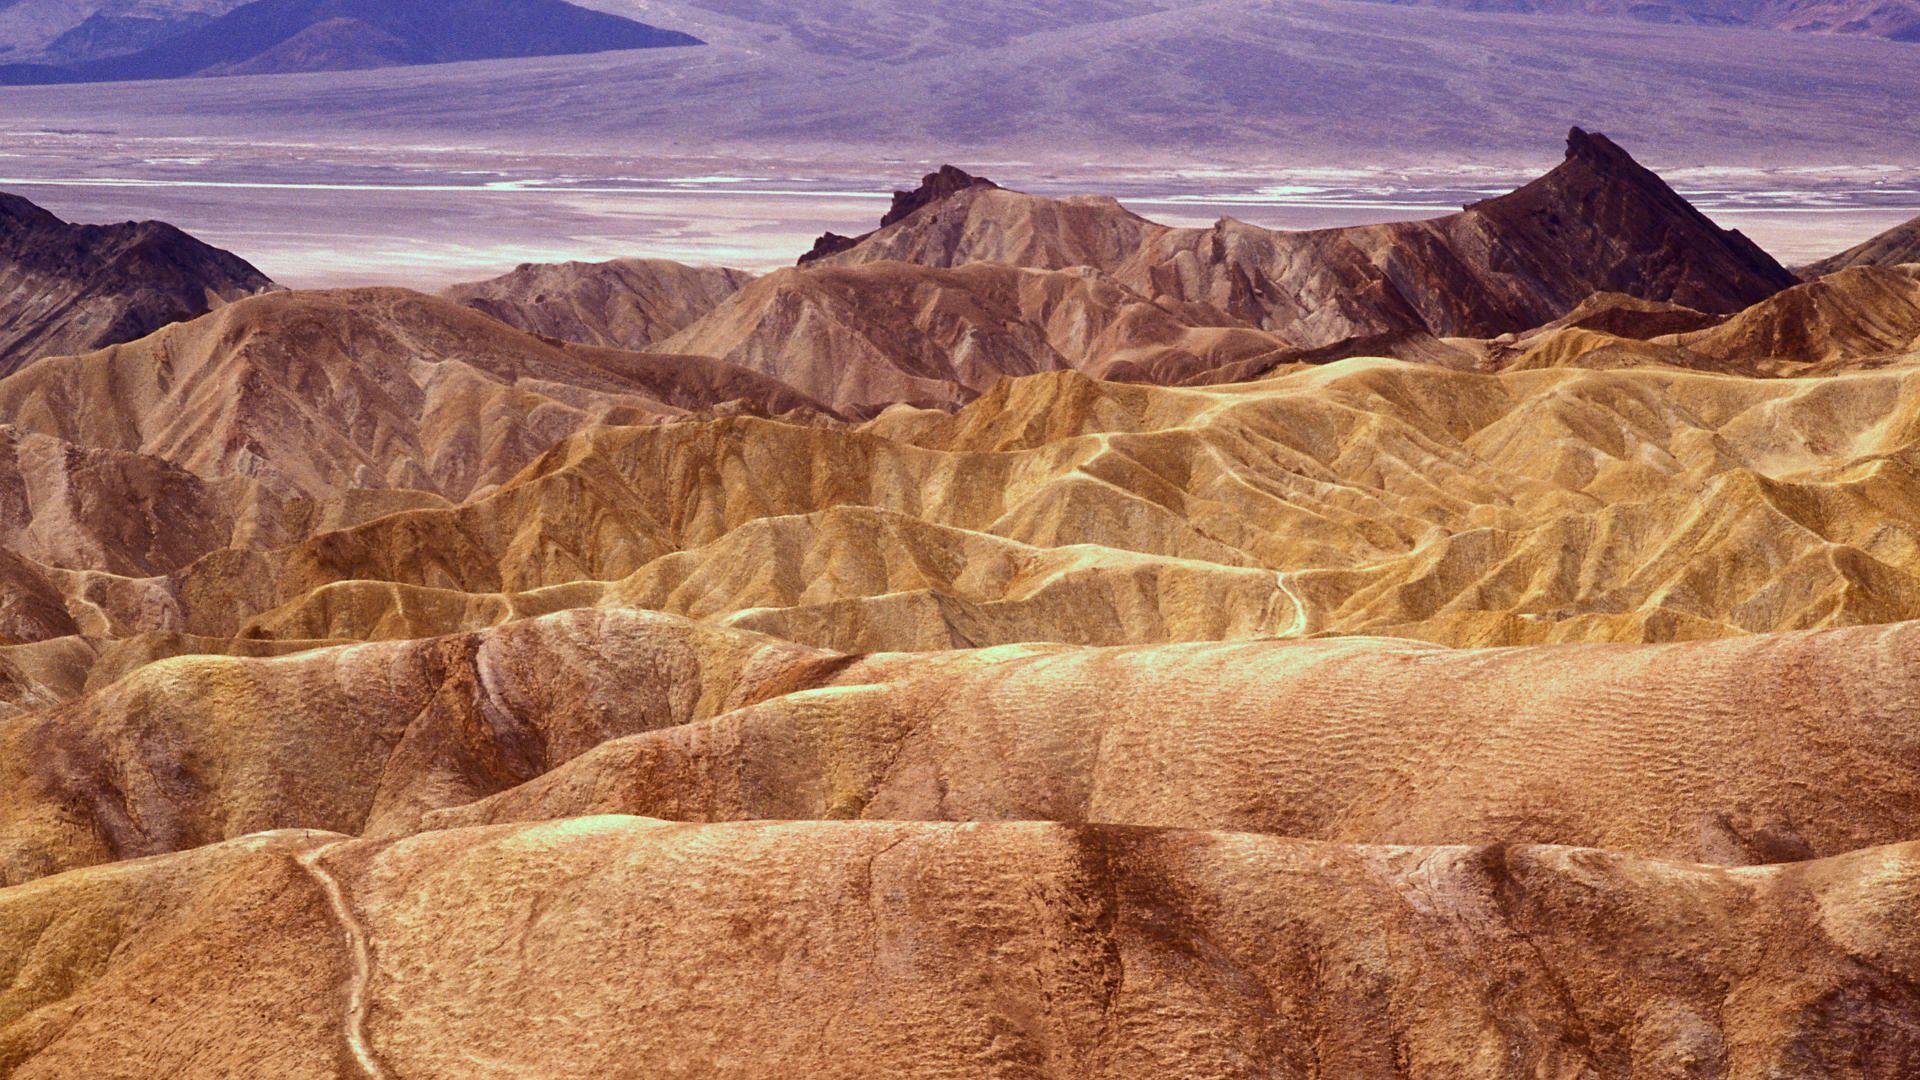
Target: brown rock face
[1898, 245]
[1598, 223]
[73, 288]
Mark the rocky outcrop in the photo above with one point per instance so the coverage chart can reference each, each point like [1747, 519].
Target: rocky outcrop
[943, 183]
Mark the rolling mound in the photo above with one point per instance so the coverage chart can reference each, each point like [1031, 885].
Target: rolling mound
[1023, 949]
[1768, 749]
[1466, 508]
[193, 749]
[317, 393]
[1762, 749]
[1898, 245]
[622, 304]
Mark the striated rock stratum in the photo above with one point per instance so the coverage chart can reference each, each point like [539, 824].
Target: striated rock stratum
[1023, 641]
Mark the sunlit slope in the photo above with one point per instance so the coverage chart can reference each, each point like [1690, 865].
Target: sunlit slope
[1027, 949]
[1463, 508]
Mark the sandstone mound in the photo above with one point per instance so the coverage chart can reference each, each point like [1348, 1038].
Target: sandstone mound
[195, 749]
[1025, 949]
[71, 288]
[1460, 507]
[1762, 749]
[1850, 318]
[315, 393]
[624, 304]
[1631, 317]
[1766, 749]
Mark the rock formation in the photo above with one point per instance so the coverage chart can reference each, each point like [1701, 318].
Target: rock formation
[70, 288]
[1028, 641]
[940, 184]
[1599, 222]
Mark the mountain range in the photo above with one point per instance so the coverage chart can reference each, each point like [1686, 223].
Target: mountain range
[1025, 639]
[1897, 20]
[282, 36]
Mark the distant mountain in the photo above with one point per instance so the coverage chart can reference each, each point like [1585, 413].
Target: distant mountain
[282, 36]
[1599, 222]
[1900, 244]
[1898, 20]
[71, 288]
[74, 31]
[103, 35]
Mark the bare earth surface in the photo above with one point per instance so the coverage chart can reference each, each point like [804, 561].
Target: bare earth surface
[1032, 641]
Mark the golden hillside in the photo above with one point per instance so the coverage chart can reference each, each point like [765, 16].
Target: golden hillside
[1022, 641]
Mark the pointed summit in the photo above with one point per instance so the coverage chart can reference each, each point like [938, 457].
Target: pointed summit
[1599, 222]
[1602, 222]
[1593, 147]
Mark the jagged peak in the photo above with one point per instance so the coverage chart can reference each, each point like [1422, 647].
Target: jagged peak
[1595, 148]
[937, 186]
[942, 183]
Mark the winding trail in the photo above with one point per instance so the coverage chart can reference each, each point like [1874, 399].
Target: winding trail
[356, 1018]
[1299, 626]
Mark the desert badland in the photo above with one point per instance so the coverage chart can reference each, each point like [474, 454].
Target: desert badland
[1019, 638]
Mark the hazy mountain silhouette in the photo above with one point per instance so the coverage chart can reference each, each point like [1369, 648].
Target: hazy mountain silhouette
[279, 36]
